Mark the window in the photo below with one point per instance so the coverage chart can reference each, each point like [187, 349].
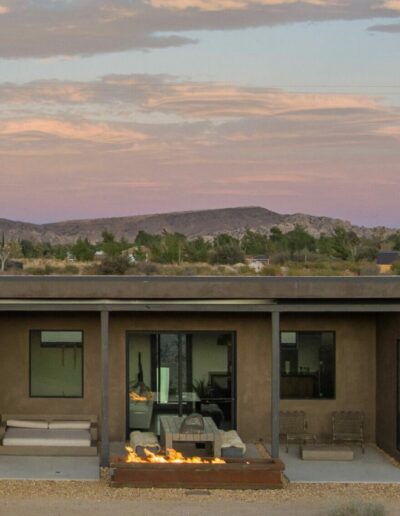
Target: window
[180, 373]
[56, 364]
[307, 365]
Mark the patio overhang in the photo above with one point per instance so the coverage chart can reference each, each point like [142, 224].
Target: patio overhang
[192, 305]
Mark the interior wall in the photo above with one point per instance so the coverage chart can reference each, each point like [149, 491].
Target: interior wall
[387, 396]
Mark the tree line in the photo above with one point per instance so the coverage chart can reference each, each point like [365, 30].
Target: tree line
[175, 248]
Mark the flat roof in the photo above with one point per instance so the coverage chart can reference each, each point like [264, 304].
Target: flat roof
[169, 288]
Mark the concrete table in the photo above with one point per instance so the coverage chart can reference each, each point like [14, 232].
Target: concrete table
[170, 433]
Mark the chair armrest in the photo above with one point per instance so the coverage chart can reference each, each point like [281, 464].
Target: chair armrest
[3, 428]
[94, 431]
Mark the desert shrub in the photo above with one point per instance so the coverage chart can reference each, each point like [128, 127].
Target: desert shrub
[280, 258]
[42, 271]
[358, 508]
[115, 265]
[69, 269]
[270, 270]
[146, 268]
[369, 269]
[396, 268]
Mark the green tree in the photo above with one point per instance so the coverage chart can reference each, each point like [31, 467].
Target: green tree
[197, 250]
[8, 249]
[226, 250]
[28, 249]
[111, 246]
[298, 240]
[83, 250]
[254, 243]
[170, 249]
[395, 241]
[344, 244]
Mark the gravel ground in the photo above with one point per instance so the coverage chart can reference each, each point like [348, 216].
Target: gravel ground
[301, 495]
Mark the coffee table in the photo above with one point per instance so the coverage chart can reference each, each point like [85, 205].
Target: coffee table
[170, 433]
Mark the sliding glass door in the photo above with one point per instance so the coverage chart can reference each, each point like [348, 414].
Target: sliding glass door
[179, 373]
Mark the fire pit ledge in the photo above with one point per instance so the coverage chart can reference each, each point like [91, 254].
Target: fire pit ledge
[234, 474]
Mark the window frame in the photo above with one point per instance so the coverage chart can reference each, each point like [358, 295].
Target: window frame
[82, 395]
[333, 332]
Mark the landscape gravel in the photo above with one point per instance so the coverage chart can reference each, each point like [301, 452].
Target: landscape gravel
[102, 491]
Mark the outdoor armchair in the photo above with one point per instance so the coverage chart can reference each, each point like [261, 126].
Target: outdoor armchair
[348, 426]
[294, 428]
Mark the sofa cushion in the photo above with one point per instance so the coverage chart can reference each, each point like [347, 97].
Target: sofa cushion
[141, 440]
[27, 423]
[69, 425]
[43, 437]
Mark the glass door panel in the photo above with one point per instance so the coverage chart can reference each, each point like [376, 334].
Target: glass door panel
[171, 372]
[141, 394]
[212, 368]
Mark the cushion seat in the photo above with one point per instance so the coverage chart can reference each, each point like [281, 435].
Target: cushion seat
[231, 444]
[43, 437]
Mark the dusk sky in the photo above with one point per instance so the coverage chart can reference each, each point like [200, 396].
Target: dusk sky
[125, 107]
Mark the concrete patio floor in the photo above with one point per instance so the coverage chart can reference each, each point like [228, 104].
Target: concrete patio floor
[371, 467]
[49, 468]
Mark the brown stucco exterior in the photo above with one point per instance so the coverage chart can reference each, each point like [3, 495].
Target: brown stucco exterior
[387, 409]
[14, 363]
[355, 369]
[355, 364]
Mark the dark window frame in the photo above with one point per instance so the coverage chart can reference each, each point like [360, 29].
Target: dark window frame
[82, 395]
[320, 398]
[233, 333]
[398, 395]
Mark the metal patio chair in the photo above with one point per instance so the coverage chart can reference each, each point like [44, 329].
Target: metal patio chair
[348, 426]
[294, 428]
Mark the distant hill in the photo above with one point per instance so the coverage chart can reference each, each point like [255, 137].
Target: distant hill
[205, 223]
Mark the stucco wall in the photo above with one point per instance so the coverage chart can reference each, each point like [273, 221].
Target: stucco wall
[355, 364]
[388, 333]
[253, 362]
[14, 363]
[355, 369]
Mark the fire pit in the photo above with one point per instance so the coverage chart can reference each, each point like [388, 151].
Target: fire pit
[174, 471]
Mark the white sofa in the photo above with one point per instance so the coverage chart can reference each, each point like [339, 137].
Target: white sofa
[48, 435]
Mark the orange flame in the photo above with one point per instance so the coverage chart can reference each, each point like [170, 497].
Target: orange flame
[134, 396]
[172, 456]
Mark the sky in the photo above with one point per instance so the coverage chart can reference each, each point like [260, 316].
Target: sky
[125, 107]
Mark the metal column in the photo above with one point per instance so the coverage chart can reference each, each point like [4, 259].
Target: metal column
[275, 384]
[105, 442]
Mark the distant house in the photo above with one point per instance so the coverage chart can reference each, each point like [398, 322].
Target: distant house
[386, 259]
[99, 256]
[258, 262]
[70, 257]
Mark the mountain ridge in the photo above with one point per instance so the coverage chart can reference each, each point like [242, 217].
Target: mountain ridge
[191, 223]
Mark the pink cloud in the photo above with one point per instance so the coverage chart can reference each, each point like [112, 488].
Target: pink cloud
[97, 133]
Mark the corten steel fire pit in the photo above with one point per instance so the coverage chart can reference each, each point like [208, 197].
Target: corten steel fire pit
[233, 474]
